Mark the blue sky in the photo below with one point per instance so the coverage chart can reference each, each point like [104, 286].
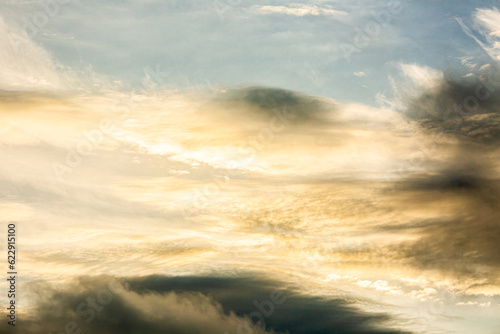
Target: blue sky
[245, 42]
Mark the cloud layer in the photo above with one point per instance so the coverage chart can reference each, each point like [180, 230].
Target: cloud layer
[159, 304]
[369, 219]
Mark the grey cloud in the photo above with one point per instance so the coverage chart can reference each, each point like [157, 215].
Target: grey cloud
[468, 171]
[264, 101]
[92, 305]
[297, 314]
[464, 242]
[467, 108]
[462, 175]
[465, 246]
[159, 304]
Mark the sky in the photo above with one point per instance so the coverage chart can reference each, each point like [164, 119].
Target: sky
[241, 166]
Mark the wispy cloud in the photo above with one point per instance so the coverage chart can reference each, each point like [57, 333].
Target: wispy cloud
[25, 65]
[489, 19]
[388, 208]
[295, 9]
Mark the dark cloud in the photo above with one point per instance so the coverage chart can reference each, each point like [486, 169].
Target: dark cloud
[264, 101]
[469, 173]
[464, 246]
[464, 242]
[468, 108]
[159, 304]
[297, 314]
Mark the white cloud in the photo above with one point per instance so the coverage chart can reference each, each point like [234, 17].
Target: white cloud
[489, 19]
[28, 65]
[298, 10]
[489, 22]
[359, 74]
[24, 64]
[364, 284]
[424, 294]
[485, 67]
[469, 303]
[422, 76]
[467, 62]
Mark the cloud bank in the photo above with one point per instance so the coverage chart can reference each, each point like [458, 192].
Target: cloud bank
[159, 304]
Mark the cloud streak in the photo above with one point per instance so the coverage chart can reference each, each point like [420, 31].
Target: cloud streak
[299, 10]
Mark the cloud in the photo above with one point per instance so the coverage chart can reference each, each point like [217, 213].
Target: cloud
[466, 61]
[318, 193]
[117, 310]
[489, 19]
[301, 109]
[462, 116]
[422, 76]
[25, 65]
[193, 304]
[466, 107]
[461, 244]
[359, 74]
[295, 9]
[322, 202]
